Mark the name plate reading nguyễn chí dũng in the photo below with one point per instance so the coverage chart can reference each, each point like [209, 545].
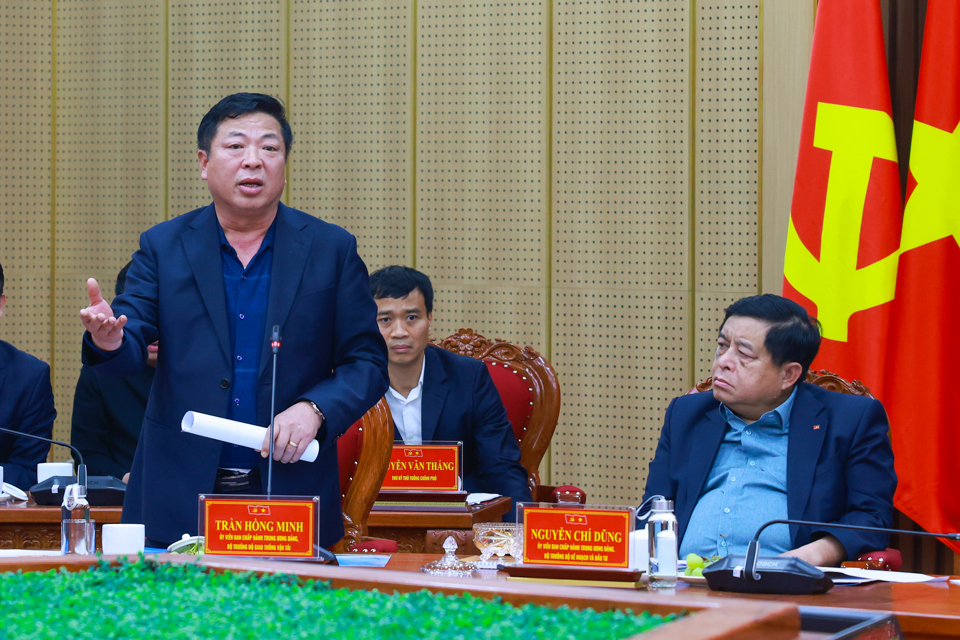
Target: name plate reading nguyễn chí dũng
[577, 537]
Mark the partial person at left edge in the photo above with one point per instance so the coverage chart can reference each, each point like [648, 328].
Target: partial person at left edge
[108, 412]
[210, 285]
[26, 405]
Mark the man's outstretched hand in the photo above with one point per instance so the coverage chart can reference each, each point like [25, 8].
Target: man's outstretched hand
[106, 331]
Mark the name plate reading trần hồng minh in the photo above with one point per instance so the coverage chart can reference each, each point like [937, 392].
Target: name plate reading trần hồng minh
[255, 526]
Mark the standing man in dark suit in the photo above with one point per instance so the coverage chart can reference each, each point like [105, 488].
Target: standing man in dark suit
[764, 445]
[210, 285]
[26, 404]
[442, 396]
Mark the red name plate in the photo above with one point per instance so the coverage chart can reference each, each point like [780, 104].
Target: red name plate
[428, 467]
[275, 528]
[576, 537]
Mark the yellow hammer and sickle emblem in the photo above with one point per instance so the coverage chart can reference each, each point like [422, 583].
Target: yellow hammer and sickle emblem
[856, 136]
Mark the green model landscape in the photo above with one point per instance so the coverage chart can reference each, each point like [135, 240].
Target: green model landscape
[147, 599]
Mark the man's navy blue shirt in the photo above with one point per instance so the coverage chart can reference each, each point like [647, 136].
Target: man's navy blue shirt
[248, 292]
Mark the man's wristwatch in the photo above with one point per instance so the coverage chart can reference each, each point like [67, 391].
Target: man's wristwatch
[317, 411]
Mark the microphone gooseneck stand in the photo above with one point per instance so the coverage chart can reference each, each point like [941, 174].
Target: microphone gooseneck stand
[753, 548]
[275, 347]
[81, 467]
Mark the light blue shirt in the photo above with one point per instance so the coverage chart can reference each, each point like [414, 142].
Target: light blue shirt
[746, 487]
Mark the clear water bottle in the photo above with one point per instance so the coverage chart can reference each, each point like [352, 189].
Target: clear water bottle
[662, 542]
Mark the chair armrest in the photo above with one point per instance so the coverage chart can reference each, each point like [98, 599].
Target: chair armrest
[885, 560]
[559, 495]
[375, 545]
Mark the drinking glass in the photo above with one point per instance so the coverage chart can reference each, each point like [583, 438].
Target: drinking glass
[78, 536]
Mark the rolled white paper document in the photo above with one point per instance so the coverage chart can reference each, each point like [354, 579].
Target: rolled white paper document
[240, 433]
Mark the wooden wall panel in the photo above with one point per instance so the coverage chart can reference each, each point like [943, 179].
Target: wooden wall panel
[621, 254]
[788, 35]
[110, 145]
[351, 76]
[481, 166]
[25, 195]
[727, 199]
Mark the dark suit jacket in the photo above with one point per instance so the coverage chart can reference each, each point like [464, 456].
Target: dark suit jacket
[460, 402]
[107, 416]
[839, 463]
[332, 353]
[26, 404]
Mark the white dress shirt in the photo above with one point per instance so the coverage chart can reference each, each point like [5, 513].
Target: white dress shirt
[407, 411]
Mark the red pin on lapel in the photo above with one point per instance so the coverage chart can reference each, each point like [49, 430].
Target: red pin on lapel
[815, 427]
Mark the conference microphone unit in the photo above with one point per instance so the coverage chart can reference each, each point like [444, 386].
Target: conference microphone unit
[101, 491]
[753, 573]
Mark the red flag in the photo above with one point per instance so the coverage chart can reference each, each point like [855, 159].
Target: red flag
[924, 344]
[844, 232]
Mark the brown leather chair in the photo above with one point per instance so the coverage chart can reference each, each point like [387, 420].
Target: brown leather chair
[364, 455]
[823, 378]
[528, 387]
[887, 558]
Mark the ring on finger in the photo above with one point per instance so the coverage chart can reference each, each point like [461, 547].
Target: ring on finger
[293, 444]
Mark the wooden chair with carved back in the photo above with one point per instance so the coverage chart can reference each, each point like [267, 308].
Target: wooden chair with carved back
[887, 558]
[363, 454]
[822, 378]
[530, 392]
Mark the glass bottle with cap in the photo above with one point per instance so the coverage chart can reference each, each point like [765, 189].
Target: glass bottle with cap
[662, 542]
[77, 531]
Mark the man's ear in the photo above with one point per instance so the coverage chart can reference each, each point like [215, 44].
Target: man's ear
[790, 373]
[203, 159]
[3, 302]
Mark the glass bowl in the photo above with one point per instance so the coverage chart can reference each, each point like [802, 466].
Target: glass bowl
[496, 538]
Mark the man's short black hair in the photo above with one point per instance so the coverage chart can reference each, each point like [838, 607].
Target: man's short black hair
[793, 335]
[122, 279]
[398, 282]
[1, 279]
[240, 104]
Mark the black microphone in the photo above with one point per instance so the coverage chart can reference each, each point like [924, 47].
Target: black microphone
[784, 575]
[102, 491]
[275, 345]
[81, 468]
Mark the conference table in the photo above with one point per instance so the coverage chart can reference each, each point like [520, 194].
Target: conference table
[926, 611]
[27, 525]
[923, 611]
